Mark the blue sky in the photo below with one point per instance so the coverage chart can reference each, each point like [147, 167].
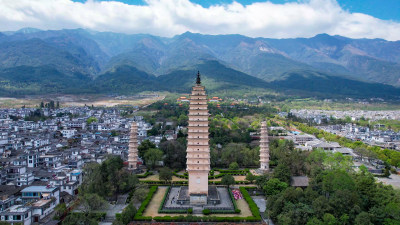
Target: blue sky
[253, 18]
[382, 9]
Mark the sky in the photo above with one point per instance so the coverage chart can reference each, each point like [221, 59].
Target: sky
[254, 18]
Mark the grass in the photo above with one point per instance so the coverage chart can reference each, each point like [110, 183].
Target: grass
[237, 178]
[155, 177]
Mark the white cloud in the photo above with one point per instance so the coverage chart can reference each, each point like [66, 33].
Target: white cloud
[170, 17]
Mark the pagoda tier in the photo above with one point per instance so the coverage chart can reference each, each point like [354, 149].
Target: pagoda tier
[198, 150]
[264, 148]
[133, 147]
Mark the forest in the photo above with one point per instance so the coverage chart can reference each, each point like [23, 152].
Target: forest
[337, 193]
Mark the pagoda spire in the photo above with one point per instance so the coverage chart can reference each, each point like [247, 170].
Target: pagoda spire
[198, 80]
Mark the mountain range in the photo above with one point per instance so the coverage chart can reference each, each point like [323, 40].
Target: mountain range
[33, 61]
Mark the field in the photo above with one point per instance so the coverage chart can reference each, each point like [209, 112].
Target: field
[82, 100]
[308, 103]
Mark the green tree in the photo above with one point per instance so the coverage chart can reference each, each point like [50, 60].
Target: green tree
[91, 120]
[228, 180]
[363, 219]
[274, 186]
[144, 146]
[175, 154]
[234, 166]
[92, 202]
[140, 193]
[114, 133]
[60, 209]
[165, 174]
[282, 172]
[79, 218]
[315, 221]
[128, 214]
[329, 219]
[250, 177]
[152, 156]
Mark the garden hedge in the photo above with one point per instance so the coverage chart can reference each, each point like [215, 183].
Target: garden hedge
[190, 218]
[143, 206]
[144, 175]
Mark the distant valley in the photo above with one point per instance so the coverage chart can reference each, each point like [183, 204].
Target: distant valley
[81, 61]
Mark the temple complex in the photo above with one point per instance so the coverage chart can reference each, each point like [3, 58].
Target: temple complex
[198, 151]
[133, 147]
[264, 148]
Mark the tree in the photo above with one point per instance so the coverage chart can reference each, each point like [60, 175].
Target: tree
[175, 154]
[274, 186]
[250, 177]
[140, 193]
[144, 146]
[361, 152]
[91, 120]
[79, 218]
[234, 166]
[114, 133]
[60, 209]
[165, 174]
[152, 156]
[92, 202]
[329, 219]
[228, 180]
[41, 104]
[128, 214]
[107, 179]
[282, 172]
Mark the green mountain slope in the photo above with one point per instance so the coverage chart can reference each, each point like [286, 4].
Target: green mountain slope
[125, 80]
[26, 80]
[310, 83]
[36, 52]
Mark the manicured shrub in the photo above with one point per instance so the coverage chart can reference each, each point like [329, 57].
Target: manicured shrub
[206, 211]
[252, 205]
[144, 175]
[139, 214]
[190, 210]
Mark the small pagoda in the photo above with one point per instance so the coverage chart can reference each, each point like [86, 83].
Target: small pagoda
[264, 148]
[133, 147]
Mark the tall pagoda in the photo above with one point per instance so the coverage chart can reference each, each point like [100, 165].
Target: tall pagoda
[264, 148]
[198, 150]
[133, 147]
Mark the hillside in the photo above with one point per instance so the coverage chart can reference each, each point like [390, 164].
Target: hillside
[83, 61]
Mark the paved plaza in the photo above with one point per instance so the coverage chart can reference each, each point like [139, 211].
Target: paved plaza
[226, 201]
